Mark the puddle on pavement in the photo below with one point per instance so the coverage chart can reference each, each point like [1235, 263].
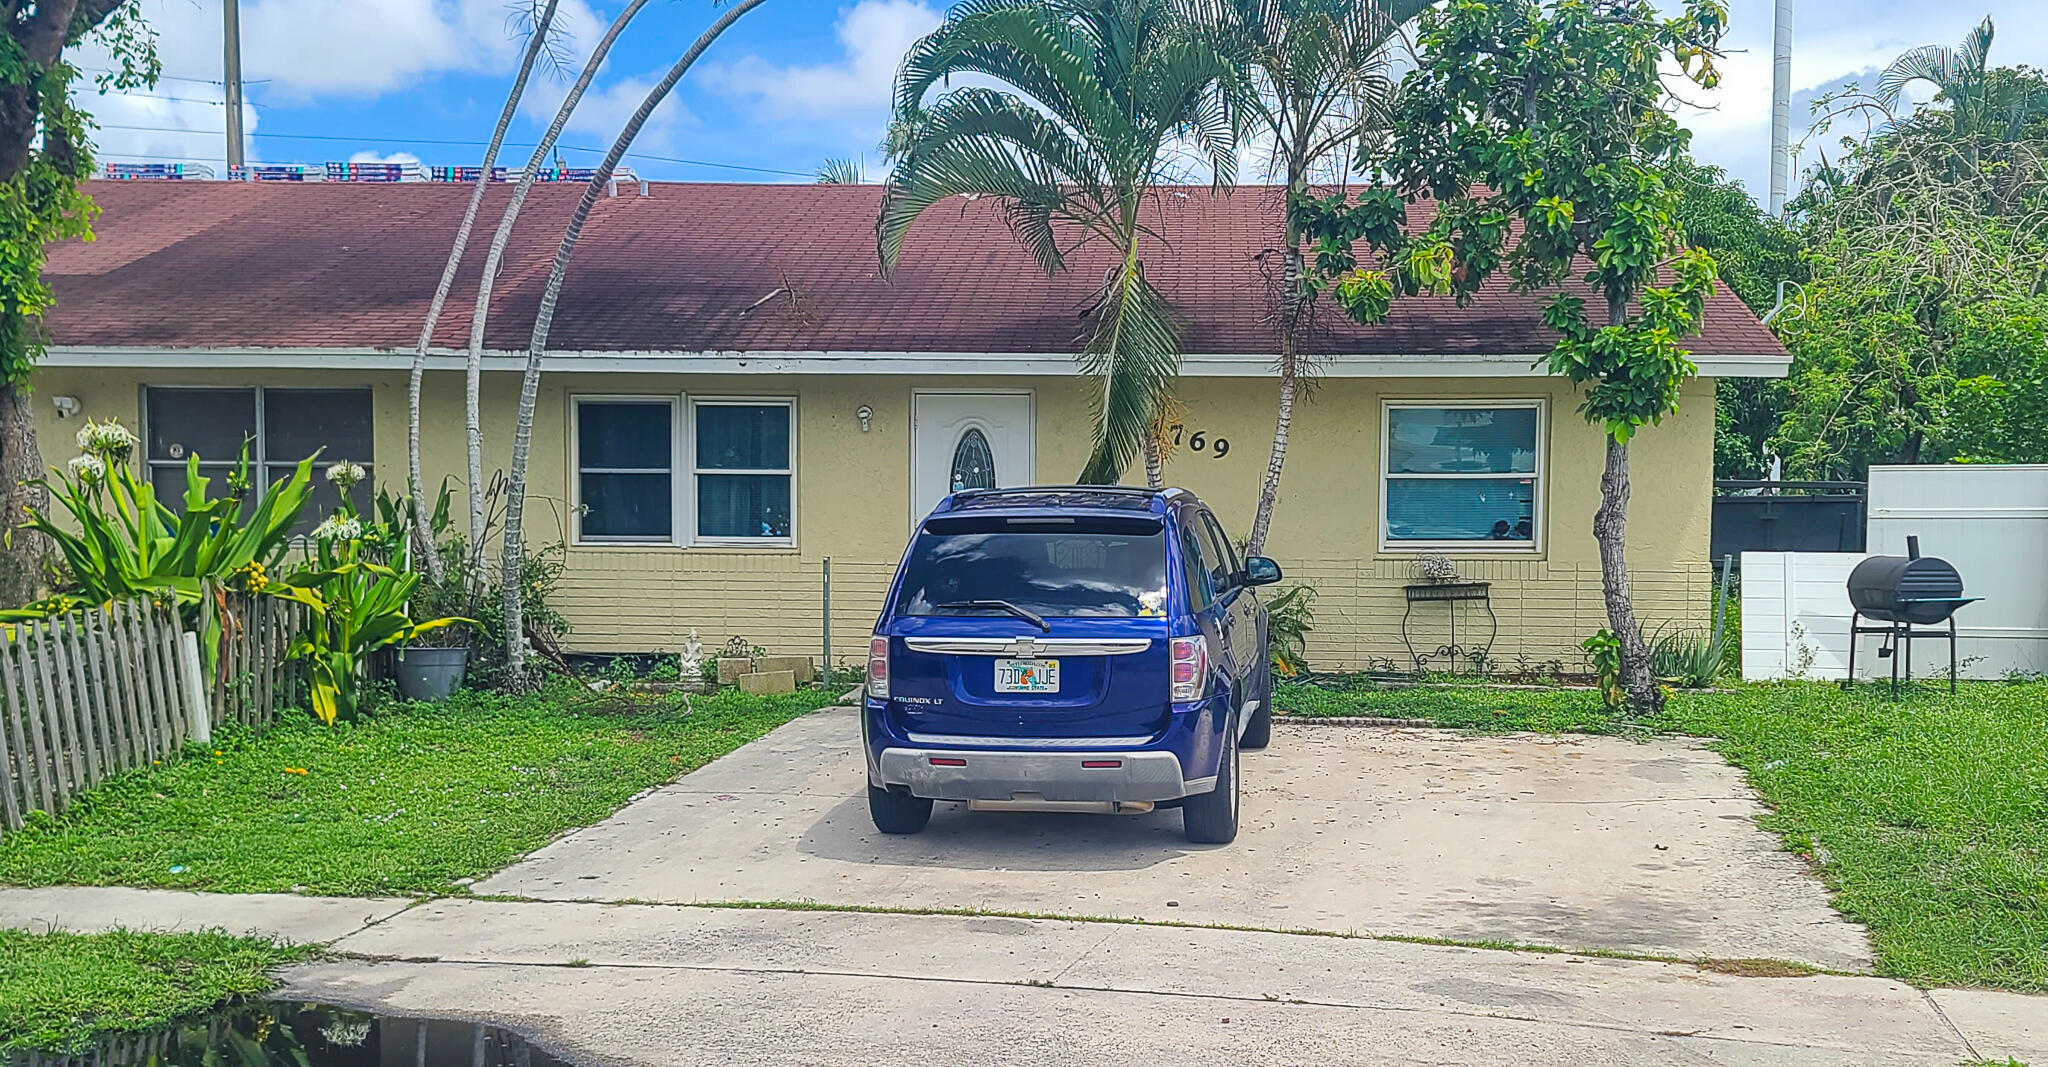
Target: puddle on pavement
[294, 1034]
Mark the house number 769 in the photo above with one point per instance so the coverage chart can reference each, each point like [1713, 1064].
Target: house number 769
[1200, 441]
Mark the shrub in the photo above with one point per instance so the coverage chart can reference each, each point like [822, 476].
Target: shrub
[1290, 617]
[122, 542]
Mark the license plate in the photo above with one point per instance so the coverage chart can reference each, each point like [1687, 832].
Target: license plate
[1027, 676]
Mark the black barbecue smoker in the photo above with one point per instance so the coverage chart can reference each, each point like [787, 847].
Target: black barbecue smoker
[1905, 596]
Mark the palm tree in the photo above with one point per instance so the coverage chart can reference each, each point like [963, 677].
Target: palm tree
[842, 170]
[1100, 94]
[1317, 83]
[535, 45]
[1958, 74]
[479, 319]
[543, 321]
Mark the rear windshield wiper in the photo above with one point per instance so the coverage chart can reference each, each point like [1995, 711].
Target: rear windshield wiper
[1031, 617]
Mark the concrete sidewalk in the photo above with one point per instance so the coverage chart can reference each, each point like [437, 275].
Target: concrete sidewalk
[653, 984]
[287, 916]
[1579, 842]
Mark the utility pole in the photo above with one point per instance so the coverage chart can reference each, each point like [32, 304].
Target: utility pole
[231, 75]
[1781, 107]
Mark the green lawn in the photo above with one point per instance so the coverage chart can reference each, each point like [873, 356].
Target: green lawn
[58, 990]
[1928, 817]
[403, 802]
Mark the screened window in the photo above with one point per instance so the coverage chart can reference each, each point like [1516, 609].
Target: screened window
[625, 469]
[743, 469]
[1462, 475]
[280, 426]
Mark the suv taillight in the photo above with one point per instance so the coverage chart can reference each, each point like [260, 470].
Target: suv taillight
[878, 668]
[1190, 668]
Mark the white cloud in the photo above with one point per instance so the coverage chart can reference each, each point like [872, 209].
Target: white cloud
[178, 121]
[314, 48]
[603, 112]
[383, 157]
[874, 35]
[1833, 40]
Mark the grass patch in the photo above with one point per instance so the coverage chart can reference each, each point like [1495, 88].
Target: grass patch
[405, 802]
[58, 990]
[1463, 707]
[1927, 816]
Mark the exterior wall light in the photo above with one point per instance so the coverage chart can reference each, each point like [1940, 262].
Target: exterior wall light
[866, 415]
[67, 406]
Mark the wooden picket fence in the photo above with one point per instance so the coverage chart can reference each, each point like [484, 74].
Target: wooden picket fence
[95, 692]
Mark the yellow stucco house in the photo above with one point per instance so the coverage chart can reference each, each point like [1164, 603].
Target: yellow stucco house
[733, 394]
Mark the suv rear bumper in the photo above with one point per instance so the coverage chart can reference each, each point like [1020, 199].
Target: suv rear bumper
[1058, 776]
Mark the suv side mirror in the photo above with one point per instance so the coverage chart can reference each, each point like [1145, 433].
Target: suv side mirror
[1258, 570]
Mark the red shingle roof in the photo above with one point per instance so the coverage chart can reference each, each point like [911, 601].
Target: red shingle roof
[219, 264]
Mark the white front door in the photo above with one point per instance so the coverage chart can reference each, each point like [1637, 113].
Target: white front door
[967, 441]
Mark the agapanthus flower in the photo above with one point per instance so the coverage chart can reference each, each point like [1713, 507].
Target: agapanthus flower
[338, 528]
[107, 440]
[88, 470]
[346, 475]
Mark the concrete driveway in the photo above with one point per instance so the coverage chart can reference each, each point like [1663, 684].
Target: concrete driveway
[1578, 842]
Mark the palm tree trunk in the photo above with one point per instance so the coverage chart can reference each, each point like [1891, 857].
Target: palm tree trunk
[1155, 464]
[543, 320]
[1293, 297]
[422, 534]
[479, 319]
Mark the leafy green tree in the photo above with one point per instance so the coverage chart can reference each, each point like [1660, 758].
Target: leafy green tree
[1916, 340]
[44, 156]
[1098, 94]
[1752, 253]
[1552, 114]
[1317, 81]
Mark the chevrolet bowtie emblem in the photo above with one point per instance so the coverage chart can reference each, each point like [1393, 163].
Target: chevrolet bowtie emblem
[1024, 648]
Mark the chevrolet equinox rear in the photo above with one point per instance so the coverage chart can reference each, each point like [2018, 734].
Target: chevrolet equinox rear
[1078, 648]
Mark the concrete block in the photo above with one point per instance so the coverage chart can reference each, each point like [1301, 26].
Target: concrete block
[731, 667]
[801, 666]
[768, 682]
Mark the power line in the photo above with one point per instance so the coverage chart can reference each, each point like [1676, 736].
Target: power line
[183, 99]
[458, 144]
[176, 78]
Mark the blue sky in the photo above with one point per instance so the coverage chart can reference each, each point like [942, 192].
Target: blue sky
[794, 82]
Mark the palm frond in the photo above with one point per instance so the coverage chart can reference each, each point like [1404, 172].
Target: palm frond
[1134, 357]
[842, 170]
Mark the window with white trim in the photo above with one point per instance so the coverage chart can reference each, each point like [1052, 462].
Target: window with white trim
[280, 427]
[625, 468]
[1462, 474]
[742, 465]
[664, 470]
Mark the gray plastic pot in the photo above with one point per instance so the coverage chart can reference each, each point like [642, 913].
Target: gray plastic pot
[430, 673]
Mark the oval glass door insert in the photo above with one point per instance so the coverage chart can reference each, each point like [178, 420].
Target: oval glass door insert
[974, 465]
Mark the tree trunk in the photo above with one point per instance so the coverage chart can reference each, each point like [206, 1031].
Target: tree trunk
[1155, 463]
[23, 554]
[480, 317]
[1294, 286]
[1610, 529]
[543, 320]
[422, 533]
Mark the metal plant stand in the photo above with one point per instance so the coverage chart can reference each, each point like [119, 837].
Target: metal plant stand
[1449, 594]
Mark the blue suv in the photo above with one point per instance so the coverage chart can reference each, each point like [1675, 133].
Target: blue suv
[1080, 648]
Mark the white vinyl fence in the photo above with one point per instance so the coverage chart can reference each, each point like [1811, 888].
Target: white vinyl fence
[1990, 522]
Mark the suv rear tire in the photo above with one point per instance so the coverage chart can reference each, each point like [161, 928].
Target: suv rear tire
[1211, 818]
[898, 813]
[1258, 730]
